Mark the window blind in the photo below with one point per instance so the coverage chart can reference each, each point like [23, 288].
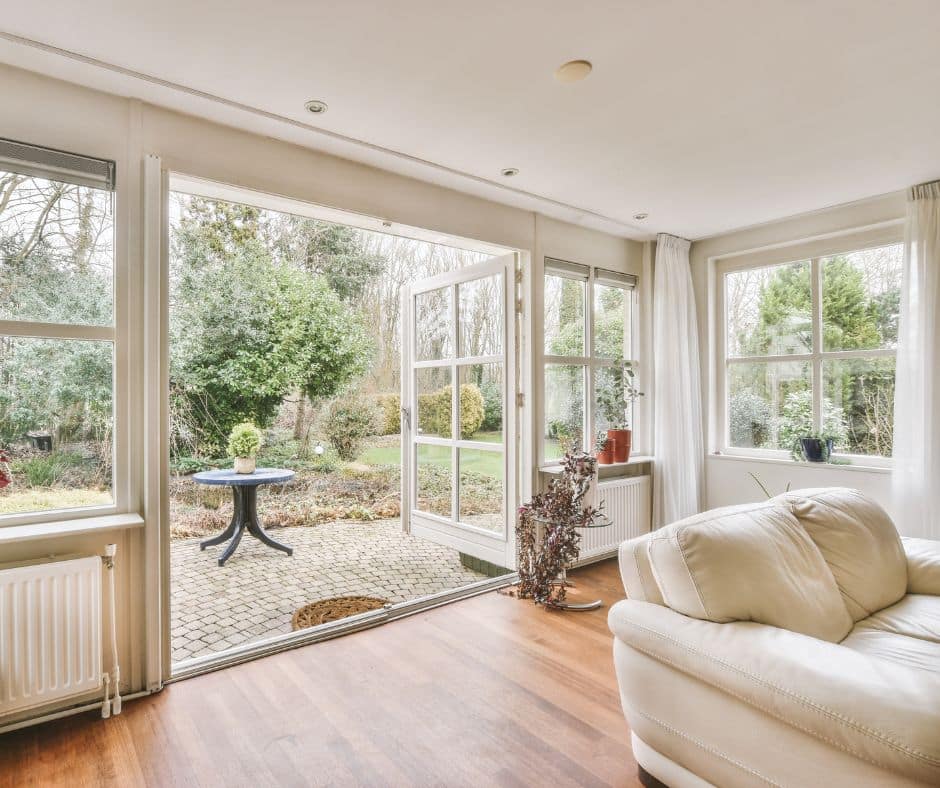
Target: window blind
[38, 162]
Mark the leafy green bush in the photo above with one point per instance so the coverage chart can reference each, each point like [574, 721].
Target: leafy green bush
[434, 411]
[244, 440]
[796, 420]
[749, 419]
[492, 406]
[45, 470]
[348, 419]
[390, 406]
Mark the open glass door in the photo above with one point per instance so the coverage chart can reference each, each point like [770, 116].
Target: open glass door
[459, 422]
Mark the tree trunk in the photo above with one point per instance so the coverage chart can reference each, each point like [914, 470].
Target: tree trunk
[300, 416]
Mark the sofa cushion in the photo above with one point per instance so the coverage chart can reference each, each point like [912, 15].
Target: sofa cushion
[859, 542]
[749, 563]
[923, 565]
[915, 616]
[636, 572]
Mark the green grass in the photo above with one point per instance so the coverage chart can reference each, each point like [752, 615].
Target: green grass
[484, 462]
[42, 500]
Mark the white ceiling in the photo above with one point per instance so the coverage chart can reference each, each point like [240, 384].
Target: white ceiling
[710, 116]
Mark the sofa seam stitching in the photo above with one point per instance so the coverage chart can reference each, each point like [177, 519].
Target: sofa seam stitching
[707, 749]
[874, 735]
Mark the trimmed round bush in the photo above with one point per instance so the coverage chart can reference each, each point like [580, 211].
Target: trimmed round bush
[390, 407]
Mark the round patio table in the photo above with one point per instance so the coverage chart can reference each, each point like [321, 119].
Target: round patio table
[245, 506]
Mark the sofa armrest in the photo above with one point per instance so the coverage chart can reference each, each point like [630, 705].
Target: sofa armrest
[923, 565]
[881, 712]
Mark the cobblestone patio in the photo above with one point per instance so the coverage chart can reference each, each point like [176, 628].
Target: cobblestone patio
[255, 594]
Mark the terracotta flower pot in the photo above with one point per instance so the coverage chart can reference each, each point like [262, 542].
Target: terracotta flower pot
[606, 457]
[244, 465]
[621, 441]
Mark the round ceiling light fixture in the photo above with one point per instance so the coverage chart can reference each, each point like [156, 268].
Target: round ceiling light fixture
[509, 172]
[316, 107]
[641, 216]
[573, 71]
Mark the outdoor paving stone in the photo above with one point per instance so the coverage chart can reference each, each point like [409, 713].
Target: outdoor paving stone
[255, 594]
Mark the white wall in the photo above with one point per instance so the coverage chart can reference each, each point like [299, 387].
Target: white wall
[727, 478]
[43, 111]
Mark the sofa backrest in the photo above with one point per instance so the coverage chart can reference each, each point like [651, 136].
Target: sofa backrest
[812, 561]
[859, 542]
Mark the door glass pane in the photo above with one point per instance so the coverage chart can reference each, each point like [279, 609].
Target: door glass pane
[481, 488]
[481, 402]
[769, 310]
[56, 251]
[564, 316]
[56, 423]
[434, 480]
[564, 409]
[481, 316]
[770, 404]
[612, 322]
[859, 405]
[433, 323]
[435, 401]
[861, 299]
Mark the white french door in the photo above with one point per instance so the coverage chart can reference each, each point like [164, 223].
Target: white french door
[459, 429]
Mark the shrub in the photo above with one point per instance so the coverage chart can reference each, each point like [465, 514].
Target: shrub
[45, 470]
[434, 411]
[348, 419]
[244, 440]
[390, 407]
[492, 406]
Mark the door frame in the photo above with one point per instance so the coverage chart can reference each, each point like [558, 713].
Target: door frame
[497, 549]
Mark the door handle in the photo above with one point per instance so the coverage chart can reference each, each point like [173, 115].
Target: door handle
[406, 415]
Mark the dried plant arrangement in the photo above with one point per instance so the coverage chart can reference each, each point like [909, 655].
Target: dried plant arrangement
[547, 531]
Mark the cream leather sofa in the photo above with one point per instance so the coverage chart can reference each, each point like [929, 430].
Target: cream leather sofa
[794, 642]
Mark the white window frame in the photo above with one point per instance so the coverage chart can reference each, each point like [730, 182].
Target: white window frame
[121, 481]
[814, 251]
[590, 275]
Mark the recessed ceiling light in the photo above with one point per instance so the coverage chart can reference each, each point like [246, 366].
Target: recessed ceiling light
[316, 107]
[509, 172]
[640, 216]
[573, 70]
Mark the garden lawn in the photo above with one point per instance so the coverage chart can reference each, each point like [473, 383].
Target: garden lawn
[483, 462]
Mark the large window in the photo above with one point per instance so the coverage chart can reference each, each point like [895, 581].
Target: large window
[588, 325]
[56, 330]
[809, 348]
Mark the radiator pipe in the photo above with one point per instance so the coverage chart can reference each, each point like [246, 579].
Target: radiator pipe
[109, 552]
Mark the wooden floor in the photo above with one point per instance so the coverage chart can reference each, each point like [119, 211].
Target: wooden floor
[488, 691]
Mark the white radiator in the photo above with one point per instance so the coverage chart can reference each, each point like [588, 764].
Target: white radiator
[50, 631]
[627, 504]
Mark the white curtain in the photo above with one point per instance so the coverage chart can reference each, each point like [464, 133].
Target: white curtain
[678, 444]
[916, 476]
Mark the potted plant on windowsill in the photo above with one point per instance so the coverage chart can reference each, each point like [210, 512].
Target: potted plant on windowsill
[603, 449]
[814, 447]
[243, 444]
[615, 394]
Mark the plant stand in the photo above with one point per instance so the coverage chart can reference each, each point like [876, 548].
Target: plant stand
[562, 581]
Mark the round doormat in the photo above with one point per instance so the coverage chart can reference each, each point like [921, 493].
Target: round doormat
[334, 608]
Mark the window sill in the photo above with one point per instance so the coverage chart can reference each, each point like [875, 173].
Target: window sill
[798, 464]
[639, 459]
[61, 528]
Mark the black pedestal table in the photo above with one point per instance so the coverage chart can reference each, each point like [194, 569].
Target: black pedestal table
[245, 506]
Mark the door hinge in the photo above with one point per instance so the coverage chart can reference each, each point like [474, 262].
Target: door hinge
[518, 306]
[518, 276]
[520, 399]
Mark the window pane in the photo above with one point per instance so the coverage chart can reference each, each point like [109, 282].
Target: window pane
[433, 322]
[612, 322]
[56, 251]
[862, 299]
[481, 317]
[770, 404]
[564, 409]
[564, 316]
[435, 482]
[769, 310]
[609, 416]
[481, 489]
[481, 402]
[435, 401]
[859, 396]
[56, 423]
